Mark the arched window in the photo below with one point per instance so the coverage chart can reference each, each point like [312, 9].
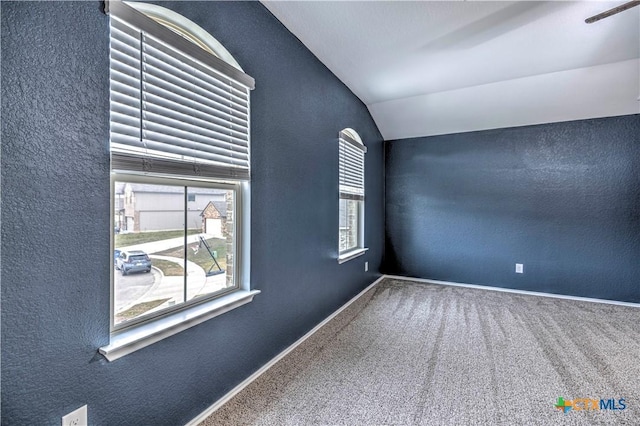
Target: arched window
[180, 144]
[187, 29]
[352, 195]
[176, 108]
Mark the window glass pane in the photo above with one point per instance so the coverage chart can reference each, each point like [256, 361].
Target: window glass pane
[148, 248]
[349, 217]
[210, 247]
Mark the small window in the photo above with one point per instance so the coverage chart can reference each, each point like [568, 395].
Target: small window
[351, 200]
[179, 141]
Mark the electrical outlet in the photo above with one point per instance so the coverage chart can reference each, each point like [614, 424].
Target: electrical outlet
[366, 266]
[76, 418]
[519, 268]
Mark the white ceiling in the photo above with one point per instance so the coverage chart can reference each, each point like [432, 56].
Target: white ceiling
[435, 67]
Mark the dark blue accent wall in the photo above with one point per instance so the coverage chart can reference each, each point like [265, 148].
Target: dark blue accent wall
[562, 198]
[56, 257]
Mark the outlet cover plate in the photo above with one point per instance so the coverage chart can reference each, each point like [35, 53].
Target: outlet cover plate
[76, 418]
[519, 268]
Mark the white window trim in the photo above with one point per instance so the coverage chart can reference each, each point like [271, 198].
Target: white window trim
[351, 254]
[130, 339]
[146, 334]
[358, 251]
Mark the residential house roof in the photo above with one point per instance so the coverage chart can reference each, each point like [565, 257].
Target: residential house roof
[221, 206]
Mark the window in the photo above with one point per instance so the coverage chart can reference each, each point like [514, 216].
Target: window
[180, 176]
[351, 189]
[168, 252]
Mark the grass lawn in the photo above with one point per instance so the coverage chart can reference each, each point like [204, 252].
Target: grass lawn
[202, 258]
[139, 309]
[123, 240]
[168, 268]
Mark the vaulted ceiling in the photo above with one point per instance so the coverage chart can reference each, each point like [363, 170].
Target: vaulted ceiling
[435, 67]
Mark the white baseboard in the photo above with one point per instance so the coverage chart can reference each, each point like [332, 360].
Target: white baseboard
[511, 290]
[219, 403]
[233, 392]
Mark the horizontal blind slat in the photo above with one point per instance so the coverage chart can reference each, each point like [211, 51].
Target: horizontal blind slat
[184, 139]
[189, 128]
[152, 81]
[120, 98]
[153, 146]
[189, 121]
[356, 168]
[124, 133]
[351, 180]
[185, 64]
[351, 169]
[194, 119]
[126, 110]
[125, 64]
[178, 111]
[122, 29]
[129, 49]
[127, 120]
[211, 109]
[182, 78]
[125, 82]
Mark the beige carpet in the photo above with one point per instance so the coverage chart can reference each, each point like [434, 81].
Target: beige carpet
[411, 353]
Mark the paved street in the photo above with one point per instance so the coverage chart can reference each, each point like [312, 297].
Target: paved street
[131, 287]
[138, 288]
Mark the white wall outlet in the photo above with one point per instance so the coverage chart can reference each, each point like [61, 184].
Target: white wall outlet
[366, 266]
[76, 418]
[519, 268]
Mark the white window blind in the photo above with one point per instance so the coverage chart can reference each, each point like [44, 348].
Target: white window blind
[175, 108]
[351, 166]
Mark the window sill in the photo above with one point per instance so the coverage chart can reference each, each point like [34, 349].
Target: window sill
[344, 257]
[131, 340]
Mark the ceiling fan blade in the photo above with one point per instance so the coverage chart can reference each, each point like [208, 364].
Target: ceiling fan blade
[613, 11]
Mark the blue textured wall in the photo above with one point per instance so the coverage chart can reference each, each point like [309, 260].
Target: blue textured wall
[55, 218]
[562, 198]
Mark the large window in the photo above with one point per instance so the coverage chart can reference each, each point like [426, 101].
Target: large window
[180, 176]
[351, 189]
[170, 250]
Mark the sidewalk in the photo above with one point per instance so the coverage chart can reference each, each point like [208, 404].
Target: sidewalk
[156, 246]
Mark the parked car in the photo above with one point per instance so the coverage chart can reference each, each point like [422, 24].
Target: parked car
[133, 261]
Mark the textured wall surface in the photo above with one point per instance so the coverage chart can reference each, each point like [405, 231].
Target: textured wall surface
[56, 257]
[562, 198]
